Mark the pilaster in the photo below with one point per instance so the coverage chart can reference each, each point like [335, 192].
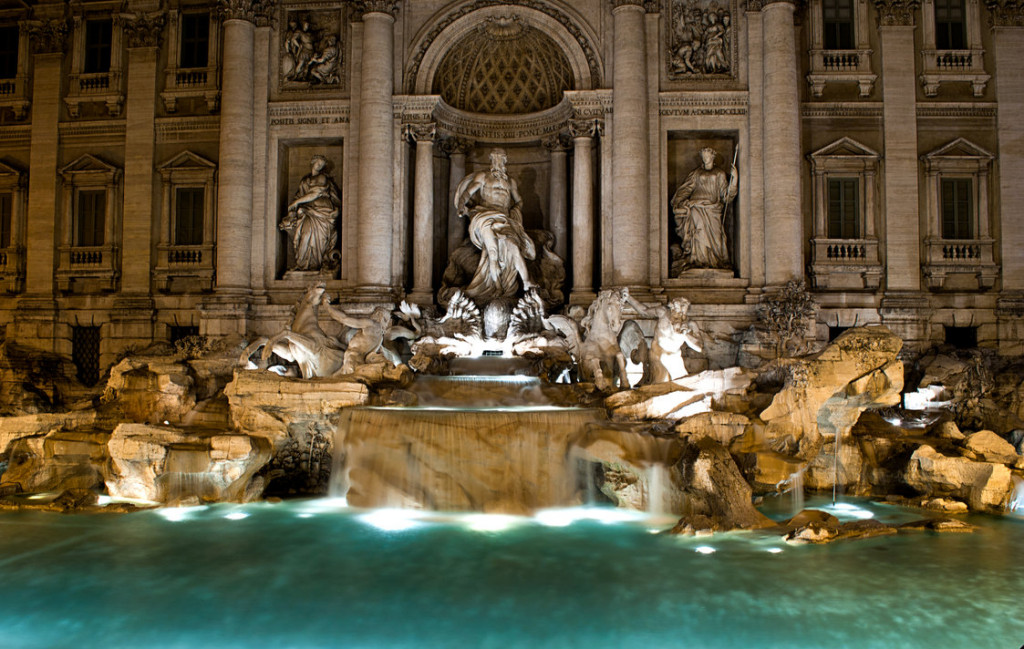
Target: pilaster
[557, 146]
[423, 212]
[583, 132]
[456, 148]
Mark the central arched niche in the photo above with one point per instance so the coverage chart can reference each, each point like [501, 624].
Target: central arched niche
[504, 66]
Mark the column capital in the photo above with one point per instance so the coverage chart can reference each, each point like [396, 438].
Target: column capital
[557, 142]
[258, 12]
[421, 132]
[639, 4]
[456, 145]
[585, 128]
[896, 13]
[758, 5]
[1006, 13]
[47, 36]
[143, 30]
[389, 7]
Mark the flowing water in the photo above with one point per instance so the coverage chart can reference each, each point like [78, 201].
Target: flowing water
[315, 574]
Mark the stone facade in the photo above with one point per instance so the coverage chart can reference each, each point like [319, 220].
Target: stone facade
[149, 150]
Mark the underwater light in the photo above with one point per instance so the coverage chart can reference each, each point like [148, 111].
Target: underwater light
[490, 522]
[568, 516]
[774, 550]
[305, 516]
[391, 520]
[704, 549]
[848, 509]
[236, 516]
[178, 514]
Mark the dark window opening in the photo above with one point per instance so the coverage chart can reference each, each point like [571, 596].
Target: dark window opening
[85, 353]
[950, 25]
[5, 219]
[188, 216]
[8, 52]
[195, 41]
[98, 41]
[91, 217]
[962, 337]
[956, 206]
[182, 332]
[843, 208]
[835, 332]
[838, 24]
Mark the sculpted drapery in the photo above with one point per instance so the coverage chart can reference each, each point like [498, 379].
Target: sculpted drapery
[312, 218]
[699, 206]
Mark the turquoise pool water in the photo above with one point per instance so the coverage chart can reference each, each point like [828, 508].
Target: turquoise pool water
[313, 574]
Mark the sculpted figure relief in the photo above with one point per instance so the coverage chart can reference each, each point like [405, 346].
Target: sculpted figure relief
[699, 206]
[491, 200]
[311, 55]
[700, 40]
[311, 222]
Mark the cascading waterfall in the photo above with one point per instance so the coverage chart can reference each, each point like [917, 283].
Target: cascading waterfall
[1017, 499]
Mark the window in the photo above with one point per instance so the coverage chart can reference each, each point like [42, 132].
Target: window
[6, 212]
[90, 217]
[955, 198]
[98, 43]
[188, 216]
[85, 353]
[843, 208]
[9, 52]
[838, 21]
[950, 25]
[195, 41]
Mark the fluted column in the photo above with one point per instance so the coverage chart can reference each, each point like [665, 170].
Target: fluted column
[899, 115]
[376, 148]
[582, 132]
[782, 163]
[557, 146]
[423, 213]
[456, 149]
[630, 154]
[234, 182]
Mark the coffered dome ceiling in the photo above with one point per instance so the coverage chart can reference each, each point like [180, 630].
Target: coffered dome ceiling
[503, 67]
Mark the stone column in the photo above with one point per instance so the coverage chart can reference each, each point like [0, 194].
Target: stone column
[456, 148]
[582, 132]
[630, 150]
[1007, 47]
[37, 310]
[376, 149]
[423, 214]
[558, 145]
[782, 162]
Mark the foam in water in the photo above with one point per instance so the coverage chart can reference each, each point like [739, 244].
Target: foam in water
[1017, 499]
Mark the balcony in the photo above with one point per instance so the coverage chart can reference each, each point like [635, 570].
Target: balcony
[960, 264]
[845, 264]
[12, 272]
[945, 66]
[14, 95]
[184, 268]
[95, 87]
[89, 268]
[841, 66]
[182, 83]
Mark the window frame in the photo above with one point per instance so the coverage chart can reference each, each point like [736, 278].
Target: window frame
[196, 82]
[188, 266]
[96, 86]
[98, 266]
[849, 65]
[941, 66]
[12, 257]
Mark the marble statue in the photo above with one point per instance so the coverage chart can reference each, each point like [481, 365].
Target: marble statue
[303, 342]
[491, 201]
[671, 333]
[311, 222]
[601, 360]
[367, 345]
[699, 206]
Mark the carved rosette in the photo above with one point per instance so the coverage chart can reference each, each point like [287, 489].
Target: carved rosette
[421, 132]
[47, 36]
[144, 30]
[258, 12]
[455, 146]
[363, 7]
[896, 12]
[1006, 13]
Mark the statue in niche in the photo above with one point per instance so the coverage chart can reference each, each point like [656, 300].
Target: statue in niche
[491, 201]
[672, 332]
[700, 39]
[699, 206]
[311, 222]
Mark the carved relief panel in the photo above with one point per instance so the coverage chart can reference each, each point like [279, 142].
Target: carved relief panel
[312, 49]
[700, 40]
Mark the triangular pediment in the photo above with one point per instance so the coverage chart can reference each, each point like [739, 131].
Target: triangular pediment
[10, 175]
[960, 148]
[88, 163]
[845, 147]
[187, 160]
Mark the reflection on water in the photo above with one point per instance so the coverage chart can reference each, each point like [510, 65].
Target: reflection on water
[316, 574]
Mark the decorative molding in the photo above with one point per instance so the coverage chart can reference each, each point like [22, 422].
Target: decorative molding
[102, 130]
[451, 145]
[892, 13]
[617, 4]
[1005, 13]
[958, 110]
[294, 113]
[16, 135]
[186, 129]
[585, 128]
[503, 128]
[258, 12]
[568, 23]
[421, 132]
[589, 104]
[144, 30]
[363, 7]
[47, 36]
[829, 110]
[312, 51]
[674, 104]
[700, 41]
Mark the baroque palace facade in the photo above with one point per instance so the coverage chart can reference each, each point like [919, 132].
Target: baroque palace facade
[153, 151]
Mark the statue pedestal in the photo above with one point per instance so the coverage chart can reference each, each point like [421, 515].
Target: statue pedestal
[306, 277]
[704, 285]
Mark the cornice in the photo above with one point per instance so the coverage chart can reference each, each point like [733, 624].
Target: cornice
[258, 12]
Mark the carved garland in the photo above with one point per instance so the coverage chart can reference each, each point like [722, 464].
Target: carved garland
[144, 31]
[1006, 13]
[48, 36]
[896, 12]
[259, 12]
[563, 19]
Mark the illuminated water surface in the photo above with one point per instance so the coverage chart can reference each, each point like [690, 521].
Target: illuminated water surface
[313, 574]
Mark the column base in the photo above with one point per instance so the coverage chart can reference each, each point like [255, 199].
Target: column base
[582, 297]
[421, 297]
